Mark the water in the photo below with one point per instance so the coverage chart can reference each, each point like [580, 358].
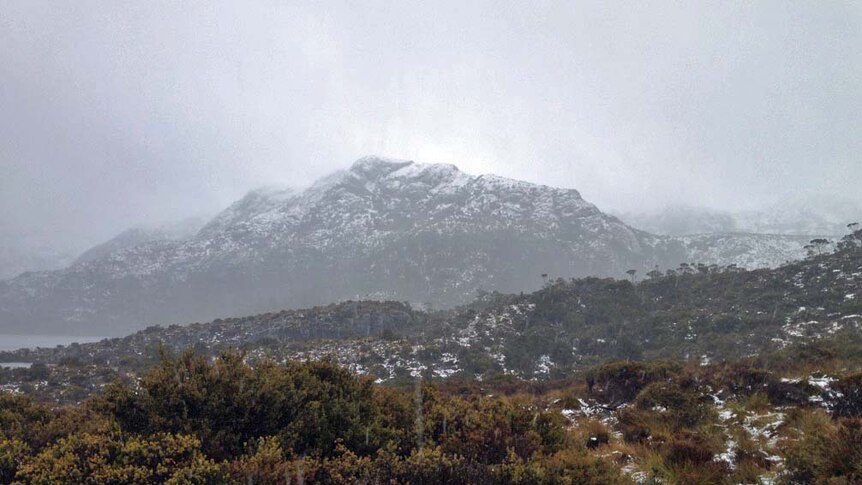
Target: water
[15, 342]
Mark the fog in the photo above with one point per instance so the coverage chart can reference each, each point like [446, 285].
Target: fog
[121, 113]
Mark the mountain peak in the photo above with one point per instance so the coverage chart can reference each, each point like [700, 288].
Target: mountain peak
[374, 167]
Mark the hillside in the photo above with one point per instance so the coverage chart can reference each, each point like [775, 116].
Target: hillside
[697, 313]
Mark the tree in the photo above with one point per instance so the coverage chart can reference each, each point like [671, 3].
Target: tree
[852, 240]
[819, 245]
[631, 274]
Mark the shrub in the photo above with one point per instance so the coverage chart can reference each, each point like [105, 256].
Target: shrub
[848, 396]
[22, 418]
[689, 449]
[12, 454]
[634, 424]
[573, 466]
[86, 458]
[684, 407]
[228, 403]
[266, 464]
[622, 381]
[592, 434]
[825, 453]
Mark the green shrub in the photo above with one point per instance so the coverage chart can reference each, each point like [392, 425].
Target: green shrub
[621, 381]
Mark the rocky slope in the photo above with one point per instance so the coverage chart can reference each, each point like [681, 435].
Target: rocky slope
[383, 229]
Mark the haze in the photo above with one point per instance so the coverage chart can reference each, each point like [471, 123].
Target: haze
[114, 114]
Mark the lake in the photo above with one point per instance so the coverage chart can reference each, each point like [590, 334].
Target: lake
[15, 342]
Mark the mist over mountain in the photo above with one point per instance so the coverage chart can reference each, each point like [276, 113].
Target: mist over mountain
[18, 256]
[383, 228]
[801, 216]
[45, 253]
[172, 231]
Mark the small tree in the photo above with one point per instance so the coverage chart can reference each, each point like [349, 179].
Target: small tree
[819, 245]
[632, 273]
[852, 240]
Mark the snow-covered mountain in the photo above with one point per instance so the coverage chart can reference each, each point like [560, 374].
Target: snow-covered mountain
[745, 250]
[172, 231]
[682, 220]
[382, 229]
[804, 216]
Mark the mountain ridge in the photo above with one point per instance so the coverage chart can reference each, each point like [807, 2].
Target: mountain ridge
[391, 228]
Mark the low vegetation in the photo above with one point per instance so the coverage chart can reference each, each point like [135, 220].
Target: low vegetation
[193, 419]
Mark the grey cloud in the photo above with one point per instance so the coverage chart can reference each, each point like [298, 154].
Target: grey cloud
[119, 113]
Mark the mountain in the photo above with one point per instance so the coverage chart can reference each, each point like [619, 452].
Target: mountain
[173, 231]
[681, 220]
[746, 250]
[803, 216]
[45, 253]
[18, 255]
[387, 229]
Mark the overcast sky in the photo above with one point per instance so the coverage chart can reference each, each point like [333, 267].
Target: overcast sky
[116, 113]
